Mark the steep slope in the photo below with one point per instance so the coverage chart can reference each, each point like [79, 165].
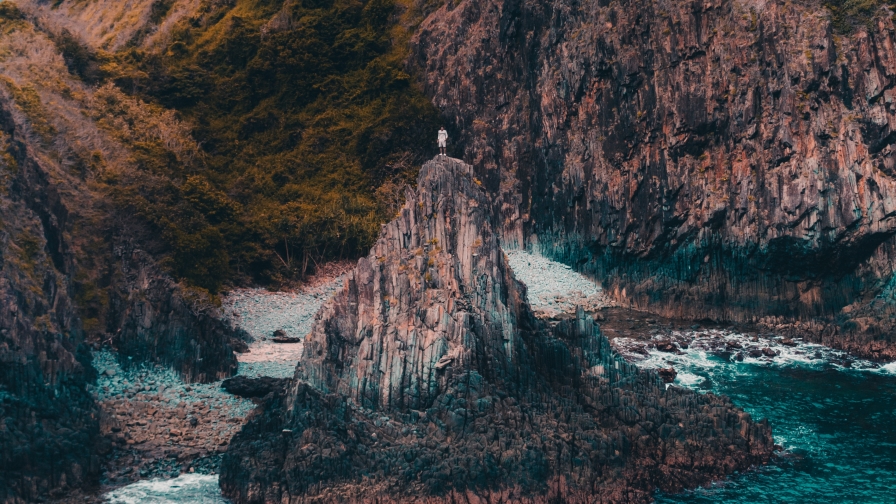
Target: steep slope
[74, 270]
[50, 423]
[730, 160]
[428, 378]
[307, 123]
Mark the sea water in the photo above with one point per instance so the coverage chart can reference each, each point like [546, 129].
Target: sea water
[834, 416]
[187, 488]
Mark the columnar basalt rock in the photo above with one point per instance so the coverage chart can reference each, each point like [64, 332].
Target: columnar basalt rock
[721, 159]
[434, 287]
[428, 378]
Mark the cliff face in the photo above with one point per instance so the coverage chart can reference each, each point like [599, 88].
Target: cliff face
[159, 321]
[49, 424]
[428, 378]
[73, 270]
[721, 159]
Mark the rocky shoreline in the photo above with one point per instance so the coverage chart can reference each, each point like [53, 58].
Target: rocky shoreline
[155, 425]
[428, 377]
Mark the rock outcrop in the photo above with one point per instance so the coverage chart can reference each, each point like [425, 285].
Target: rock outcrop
[428, 378]
[49, 422]
[71, 273]
[162, 322]
[730, 160]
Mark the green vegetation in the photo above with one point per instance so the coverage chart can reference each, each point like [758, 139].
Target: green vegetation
[309, 127]
[846, 15]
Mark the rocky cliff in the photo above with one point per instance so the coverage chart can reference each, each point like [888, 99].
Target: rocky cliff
[73, 270]
[718, 159]
[49, 422]
[428, 378]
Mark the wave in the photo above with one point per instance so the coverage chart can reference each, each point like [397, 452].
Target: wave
[192, 488]
[697, 352]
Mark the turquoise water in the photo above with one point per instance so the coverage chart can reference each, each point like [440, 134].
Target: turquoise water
[837, 425]
[185, 489]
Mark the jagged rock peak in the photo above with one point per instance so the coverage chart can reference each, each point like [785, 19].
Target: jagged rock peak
[427, 378]
[434, 293]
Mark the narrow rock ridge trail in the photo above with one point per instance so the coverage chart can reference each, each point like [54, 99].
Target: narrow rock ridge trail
[428, 377]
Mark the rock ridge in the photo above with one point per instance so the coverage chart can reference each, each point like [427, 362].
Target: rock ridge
[428, 378]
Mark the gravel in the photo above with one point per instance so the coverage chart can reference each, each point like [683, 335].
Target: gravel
[555, 288]
[163, 384]
[261, 312]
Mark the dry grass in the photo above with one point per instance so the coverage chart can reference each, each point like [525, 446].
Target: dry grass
[111, 25]
[134, 121]
[89, 129]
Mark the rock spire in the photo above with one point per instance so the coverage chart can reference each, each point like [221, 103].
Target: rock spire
[428, 378]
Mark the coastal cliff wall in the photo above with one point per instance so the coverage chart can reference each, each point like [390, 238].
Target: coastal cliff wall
[74, 273]
[49, 423]
[428, 378]
[716, 159]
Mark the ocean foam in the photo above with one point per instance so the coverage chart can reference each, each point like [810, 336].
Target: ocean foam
[706, 350]
[192, 488]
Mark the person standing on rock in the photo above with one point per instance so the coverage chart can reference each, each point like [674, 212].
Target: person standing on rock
[443, 140]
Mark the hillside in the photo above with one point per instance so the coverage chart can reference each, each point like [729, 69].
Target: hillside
[305, 125]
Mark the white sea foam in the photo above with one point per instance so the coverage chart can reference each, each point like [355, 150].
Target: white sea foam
[689, 379]
[889, 368]
[189, 488]
[698, 352]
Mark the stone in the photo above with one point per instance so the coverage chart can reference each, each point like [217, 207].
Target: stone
[666, 346]
[239, 346]
[243, 386]
[686, 197]
[667, 374]
[432, 335]
[286, 339]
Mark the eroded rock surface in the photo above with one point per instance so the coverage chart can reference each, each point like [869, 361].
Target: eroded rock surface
[73, 271]
[716, 159]
[429, 378]
[49, 423]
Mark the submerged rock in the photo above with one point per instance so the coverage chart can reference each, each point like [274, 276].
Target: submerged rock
[429, 377]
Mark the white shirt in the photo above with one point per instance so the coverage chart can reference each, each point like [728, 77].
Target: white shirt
[443, 135]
